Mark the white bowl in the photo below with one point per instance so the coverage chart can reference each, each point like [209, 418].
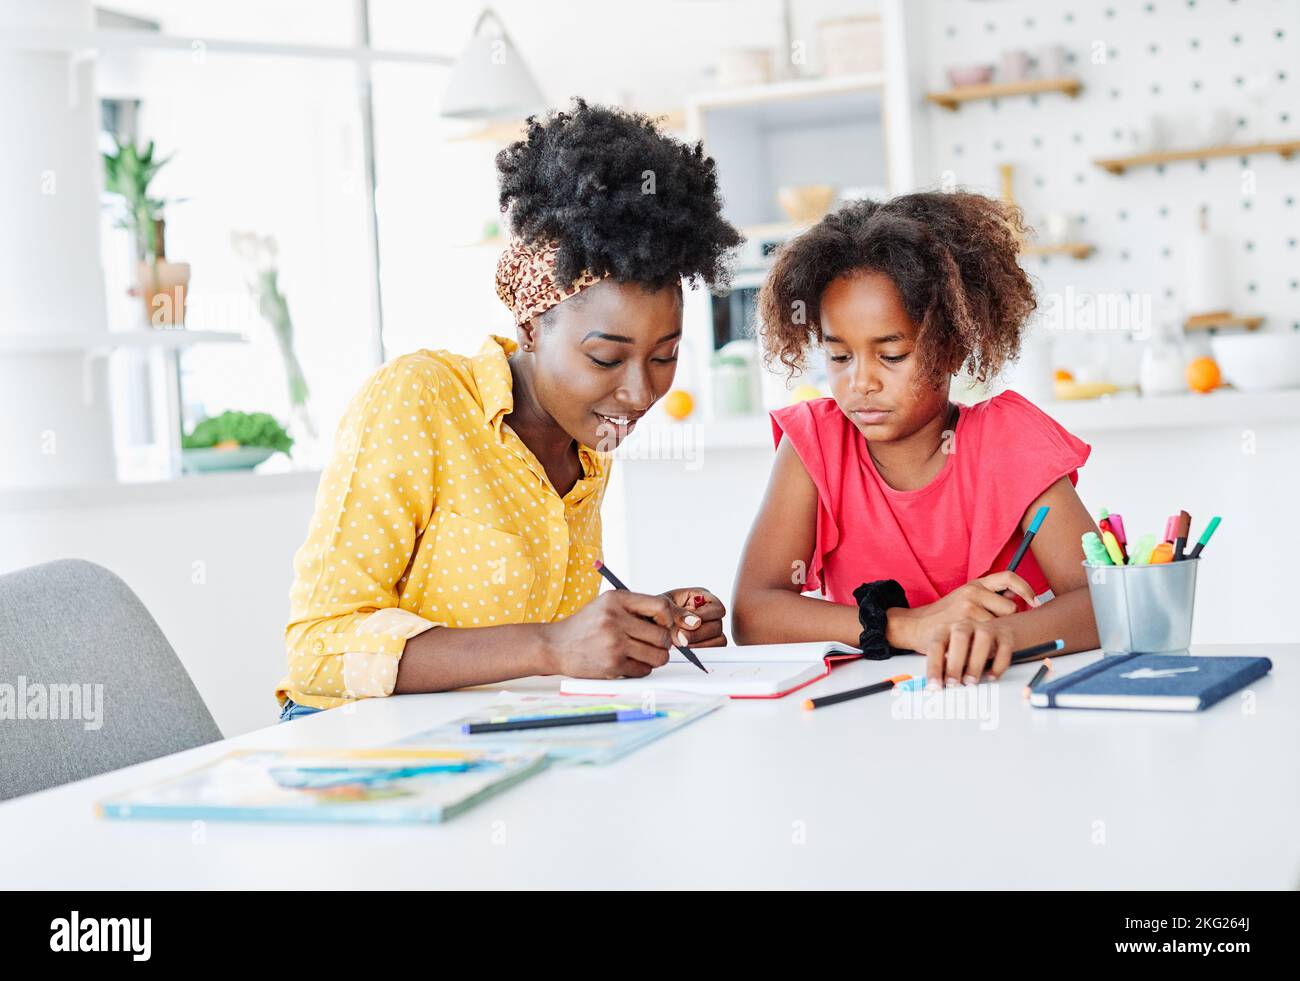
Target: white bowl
[1259, 362]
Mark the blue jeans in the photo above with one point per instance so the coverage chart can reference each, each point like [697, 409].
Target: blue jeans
[292, 710]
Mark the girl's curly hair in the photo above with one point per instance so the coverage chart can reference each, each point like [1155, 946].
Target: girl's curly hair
[581, 178]
[952, 258]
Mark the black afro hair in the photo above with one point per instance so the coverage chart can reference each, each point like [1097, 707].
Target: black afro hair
[619, 197]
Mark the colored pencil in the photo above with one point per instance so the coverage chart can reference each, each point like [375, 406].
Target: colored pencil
[1029, 537]
[1038, 675]
[555, 721]
[844, 696]
[617, 583]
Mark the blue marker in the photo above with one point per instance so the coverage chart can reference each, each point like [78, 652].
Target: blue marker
[1029, 537]
[555, 721]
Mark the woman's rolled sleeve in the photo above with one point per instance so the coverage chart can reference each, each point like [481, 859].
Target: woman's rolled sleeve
[347, 631]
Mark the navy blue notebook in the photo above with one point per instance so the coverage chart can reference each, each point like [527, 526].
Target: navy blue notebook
[1151, 682]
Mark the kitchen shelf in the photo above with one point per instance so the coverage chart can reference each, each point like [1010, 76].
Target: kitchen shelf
[952, 99]
[785, 91]
[1117, 165]
[1230, 320]
[508, 130]
[188, 489]
[130, 40]
[1075, 250]
[167, 339]
[775, 230]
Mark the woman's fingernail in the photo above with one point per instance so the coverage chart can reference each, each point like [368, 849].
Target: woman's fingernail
[691, 620]
[681, 638]
[969, 680]
[699, 601]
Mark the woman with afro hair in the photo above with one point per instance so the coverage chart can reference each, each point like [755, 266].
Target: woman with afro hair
[457, 527]
[904, 508]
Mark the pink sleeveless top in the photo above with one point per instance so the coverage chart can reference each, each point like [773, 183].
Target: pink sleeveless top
[962, 525]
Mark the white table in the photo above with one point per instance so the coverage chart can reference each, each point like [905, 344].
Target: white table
[764, 794]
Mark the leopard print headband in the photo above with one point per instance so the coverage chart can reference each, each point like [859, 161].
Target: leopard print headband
[526, 280]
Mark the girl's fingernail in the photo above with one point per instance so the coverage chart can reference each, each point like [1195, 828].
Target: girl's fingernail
[691, 620]
[950, 683]
[968, 680]
[681, 638]
[932, 682]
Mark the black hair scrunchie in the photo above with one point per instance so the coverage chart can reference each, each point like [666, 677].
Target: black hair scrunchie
[874, 599]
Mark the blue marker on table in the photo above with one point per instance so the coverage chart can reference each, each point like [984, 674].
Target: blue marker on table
[555, 721]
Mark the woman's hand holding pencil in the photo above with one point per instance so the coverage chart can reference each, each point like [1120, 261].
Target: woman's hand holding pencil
[621, 634]
[701, 603]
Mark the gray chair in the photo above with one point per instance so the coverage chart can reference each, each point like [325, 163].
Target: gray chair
[65, 628]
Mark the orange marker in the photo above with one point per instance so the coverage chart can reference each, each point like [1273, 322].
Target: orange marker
[1164, 552]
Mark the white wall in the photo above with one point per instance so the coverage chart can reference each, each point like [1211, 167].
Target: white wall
[211, 559]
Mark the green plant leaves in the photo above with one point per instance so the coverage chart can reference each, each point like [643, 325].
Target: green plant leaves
[245, 428]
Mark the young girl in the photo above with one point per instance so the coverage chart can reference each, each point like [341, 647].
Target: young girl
[458, 523]
[903, 508]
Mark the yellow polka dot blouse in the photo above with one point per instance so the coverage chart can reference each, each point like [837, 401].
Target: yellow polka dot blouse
[432, 513]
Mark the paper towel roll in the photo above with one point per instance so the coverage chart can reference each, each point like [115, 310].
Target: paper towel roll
[1206, 286]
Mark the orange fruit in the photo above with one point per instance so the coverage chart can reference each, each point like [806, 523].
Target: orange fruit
[679, 404]
[1063, 376]
[1203, 375]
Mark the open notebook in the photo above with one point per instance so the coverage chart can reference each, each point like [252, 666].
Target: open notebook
[756, 671]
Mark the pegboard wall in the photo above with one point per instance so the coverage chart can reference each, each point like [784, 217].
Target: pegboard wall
[1171, 59]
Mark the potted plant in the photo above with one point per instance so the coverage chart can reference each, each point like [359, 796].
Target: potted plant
[127, 173]
[233, 441]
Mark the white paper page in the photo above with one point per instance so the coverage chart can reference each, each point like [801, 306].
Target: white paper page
[738, 678]
[762, 654]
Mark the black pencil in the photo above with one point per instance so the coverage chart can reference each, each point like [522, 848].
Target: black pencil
[844, 696]
[617, 583]
[1029, 653]
[1038, 675]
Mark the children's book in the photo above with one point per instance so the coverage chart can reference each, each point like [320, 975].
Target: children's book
[753, 671]
[1151, 682]
[601, 742]
[390, 785]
